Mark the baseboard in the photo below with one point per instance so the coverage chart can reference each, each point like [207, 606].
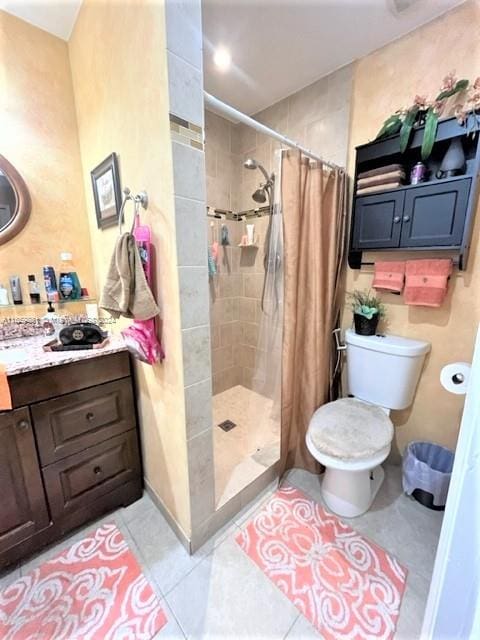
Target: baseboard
[176, 528]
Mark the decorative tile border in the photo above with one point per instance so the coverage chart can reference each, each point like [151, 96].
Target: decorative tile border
[186, 132]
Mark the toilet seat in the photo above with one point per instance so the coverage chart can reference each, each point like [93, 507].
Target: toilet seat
[349, 430]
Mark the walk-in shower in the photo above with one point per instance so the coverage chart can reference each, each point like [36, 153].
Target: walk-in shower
[245, 305]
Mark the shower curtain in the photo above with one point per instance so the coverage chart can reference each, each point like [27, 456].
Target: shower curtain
[314, 213]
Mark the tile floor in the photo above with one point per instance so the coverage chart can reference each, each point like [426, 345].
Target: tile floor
[220, 594]
[243, 453]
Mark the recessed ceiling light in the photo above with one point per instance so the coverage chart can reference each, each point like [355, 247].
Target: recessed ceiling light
[222, 58]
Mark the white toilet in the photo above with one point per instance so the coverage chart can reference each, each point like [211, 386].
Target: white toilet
[351, 437]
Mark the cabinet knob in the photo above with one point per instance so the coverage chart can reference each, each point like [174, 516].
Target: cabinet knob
[23, 425]
[406, 218]
[97, 470]
[397, 219]
[90, 416]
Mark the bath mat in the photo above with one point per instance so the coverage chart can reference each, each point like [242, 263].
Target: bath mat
[344, 584]
[95, 589]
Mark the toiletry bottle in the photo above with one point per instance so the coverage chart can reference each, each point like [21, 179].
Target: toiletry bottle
[16, 289]
[50, 283]
[34, 289]
[70, 287]
[4, 301]
[49, 320]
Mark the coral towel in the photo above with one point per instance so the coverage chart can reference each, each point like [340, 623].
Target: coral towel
[389, 276]
[426, 281]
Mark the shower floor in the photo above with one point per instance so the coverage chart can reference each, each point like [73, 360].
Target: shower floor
[253, 445]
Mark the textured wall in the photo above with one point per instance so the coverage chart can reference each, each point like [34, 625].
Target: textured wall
[122, 105]
[384, 81]
[39, 137]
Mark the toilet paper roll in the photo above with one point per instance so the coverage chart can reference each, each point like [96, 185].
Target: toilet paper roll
[454, 377]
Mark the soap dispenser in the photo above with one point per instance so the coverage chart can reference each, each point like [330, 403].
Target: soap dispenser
[49, 320]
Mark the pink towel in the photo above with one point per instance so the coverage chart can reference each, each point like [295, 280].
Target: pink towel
[426, 281]
[389, 276]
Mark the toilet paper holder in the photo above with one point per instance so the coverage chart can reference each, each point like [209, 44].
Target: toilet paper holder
[454, 377]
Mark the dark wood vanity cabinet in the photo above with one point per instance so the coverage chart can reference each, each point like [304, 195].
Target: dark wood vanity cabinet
[68, 456]
[23, 509]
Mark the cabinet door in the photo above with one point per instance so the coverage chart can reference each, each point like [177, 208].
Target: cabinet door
[378, 221]
[434, 215]
[23, 509]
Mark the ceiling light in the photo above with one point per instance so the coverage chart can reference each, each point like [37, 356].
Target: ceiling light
[222, 59]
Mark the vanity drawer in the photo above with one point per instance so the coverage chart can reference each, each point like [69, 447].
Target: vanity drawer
[71, 423]
[80, 480]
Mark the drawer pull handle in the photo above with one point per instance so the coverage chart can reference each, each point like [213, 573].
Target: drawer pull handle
[23, 425]
[406, 218]
[397, 219]
[97, 470]
[90, 416]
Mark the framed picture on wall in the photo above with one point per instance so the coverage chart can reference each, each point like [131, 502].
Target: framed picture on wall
[107, 192]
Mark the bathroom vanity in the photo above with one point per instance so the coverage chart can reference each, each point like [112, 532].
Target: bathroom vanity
[69, 448]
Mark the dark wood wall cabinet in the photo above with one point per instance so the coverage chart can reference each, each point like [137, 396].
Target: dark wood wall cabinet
[69, 451]
[435, 215]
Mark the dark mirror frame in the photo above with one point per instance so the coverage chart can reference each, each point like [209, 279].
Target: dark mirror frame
[24, 202]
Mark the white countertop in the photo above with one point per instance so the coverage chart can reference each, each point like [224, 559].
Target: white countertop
[21, 355]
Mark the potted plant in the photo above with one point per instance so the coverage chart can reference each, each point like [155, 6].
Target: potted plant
[367, 311]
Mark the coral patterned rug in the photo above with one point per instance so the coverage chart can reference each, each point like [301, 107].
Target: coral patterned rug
[95, 590]
[345, 585]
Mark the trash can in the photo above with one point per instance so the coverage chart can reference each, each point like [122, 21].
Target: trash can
[427, 469]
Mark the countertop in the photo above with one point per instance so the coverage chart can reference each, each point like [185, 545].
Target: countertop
[21, 355]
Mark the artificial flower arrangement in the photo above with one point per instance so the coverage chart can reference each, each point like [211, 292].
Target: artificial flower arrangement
[367, 311]
[428, 112]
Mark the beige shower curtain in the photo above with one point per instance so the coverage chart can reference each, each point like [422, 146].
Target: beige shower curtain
[314, 202]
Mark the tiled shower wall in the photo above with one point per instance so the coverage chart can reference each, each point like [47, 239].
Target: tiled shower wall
[235, 312]
[316, 117]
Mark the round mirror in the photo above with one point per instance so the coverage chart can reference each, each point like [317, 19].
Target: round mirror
[15, 203]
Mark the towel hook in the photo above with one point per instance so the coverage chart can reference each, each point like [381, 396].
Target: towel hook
[140, 199]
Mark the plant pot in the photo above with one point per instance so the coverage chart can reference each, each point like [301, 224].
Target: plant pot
[364, 326]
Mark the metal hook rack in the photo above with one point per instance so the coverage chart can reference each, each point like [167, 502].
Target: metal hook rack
[139, 200]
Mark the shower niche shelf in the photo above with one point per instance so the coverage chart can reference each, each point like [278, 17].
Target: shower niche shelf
[436, 215]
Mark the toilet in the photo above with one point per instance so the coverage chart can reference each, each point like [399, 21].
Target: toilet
[352, 436]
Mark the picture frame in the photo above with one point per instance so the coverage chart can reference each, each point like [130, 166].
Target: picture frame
[107, 192]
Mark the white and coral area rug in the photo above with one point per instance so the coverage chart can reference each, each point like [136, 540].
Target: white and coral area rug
[345, 585]
[95, 589]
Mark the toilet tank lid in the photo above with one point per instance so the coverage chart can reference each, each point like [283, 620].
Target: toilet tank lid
[396, 345]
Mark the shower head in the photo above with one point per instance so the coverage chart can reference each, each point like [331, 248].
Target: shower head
[260, 195]
[251, 163]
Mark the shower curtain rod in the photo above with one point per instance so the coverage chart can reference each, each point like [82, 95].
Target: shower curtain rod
[242, 117]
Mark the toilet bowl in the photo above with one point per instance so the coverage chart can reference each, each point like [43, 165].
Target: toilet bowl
[351, 437]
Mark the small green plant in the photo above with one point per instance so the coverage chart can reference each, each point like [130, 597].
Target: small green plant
[366, 304]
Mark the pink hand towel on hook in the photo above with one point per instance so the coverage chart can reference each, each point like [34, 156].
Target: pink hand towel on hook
[389, 276]
[427, 281]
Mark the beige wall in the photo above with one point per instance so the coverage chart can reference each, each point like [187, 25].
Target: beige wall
[385, 81]
[38, 135]
[119, 71]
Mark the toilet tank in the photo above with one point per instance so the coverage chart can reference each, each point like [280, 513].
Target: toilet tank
[384, 370]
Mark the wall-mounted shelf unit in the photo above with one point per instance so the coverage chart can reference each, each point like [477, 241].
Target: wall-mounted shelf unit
[436, 215]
